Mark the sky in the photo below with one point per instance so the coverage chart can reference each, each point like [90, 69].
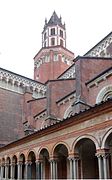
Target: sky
[22, 22]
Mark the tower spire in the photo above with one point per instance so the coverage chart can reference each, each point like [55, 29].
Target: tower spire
[54, 32]
[53, 58]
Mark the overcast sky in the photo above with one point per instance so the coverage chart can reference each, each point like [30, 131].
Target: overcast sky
[22, 21]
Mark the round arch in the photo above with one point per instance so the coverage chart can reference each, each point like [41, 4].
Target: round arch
[68, 112]
[30, 150]
[106, 135]
[59, 143]
[14, 158]
[60, 152]
[43, 148]
[84, 148]
[104, 94]
[86, 136]
[44, 157]
[8, 159]
[20, 155]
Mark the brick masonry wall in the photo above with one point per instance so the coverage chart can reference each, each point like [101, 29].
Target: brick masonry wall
[86, 69]
[11, 115]
[34, 108]
[54, 68]
[57, 90]
[94, 91]
[62, 108]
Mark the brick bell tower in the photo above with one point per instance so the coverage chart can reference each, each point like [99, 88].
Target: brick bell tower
[53, 58]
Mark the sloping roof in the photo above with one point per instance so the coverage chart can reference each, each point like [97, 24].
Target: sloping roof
[53, 127]
[54, 20]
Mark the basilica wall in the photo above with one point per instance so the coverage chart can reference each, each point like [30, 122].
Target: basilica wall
[97, 85]
[57, 90]
[86, 69]
[11, 116]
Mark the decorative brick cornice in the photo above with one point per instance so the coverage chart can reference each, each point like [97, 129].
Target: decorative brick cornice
[18, 83]
[41, 115]
[101, 46]
[70, 73]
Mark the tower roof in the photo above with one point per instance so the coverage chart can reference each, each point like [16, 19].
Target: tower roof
[54, 20]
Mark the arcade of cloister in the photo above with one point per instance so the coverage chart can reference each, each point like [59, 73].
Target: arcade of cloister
[80, 147]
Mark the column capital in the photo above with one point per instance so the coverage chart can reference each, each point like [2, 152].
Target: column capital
[12, 164]
[73, 156]
[7, 164]
[39, 161]
[102, 153]
[19, 163]
[3, 164]
[28, 162]
[53, 159]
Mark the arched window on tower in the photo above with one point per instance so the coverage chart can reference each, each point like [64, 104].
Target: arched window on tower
[61, 42]
[61, 33]
[53, 31]
[52, 41]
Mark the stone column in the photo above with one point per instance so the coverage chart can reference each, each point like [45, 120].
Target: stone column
[6, 171]
[28, 169]
[71, 167]
[75, 167]
[41, 170]
[53, 168]
[100, 166]
[106, 165]
[1, 171]
[38, 169]
[20, 170]
[12, 170]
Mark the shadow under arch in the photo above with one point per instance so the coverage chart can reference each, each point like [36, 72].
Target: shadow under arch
[30, 150]
[84, 148]
[15, 161]
[41, 149]
[31, 164]
[8, 162]
[60, 143]
[60, 153]
[86, 136]
[22, 160]
[44, 164]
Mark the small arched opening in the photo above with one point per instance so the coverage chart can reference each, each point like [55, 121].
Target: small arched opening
[61, 154]
[14, 162]
[44, 164]
[32, 165]
[104, 94]
[22, 165]
[87, 165]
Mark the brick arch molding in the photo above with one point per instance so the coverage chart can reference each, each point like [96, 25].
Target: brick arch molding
[104, 93]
